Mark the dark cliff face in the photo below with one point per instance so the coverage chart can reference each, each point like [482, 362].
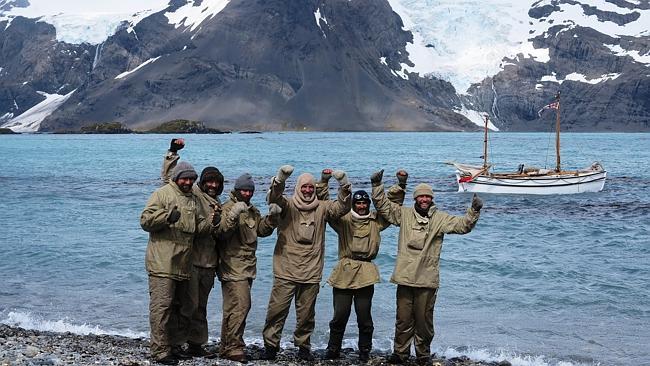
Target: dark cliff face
[271, 65]
[32, 60]
[265, 65]
[621, 102]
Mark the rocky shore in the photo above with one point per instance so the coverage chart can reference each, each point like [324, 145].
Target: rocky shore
[30, 347]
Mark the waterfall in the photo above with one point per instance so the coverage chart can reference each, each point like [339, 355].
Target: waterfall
[98, 54]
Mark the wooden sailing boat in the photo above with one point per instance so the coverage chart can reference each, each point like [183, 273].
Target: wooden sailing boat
[472, 178]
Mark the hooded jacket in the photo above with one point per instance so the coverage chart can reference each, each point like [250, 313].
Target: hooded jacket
[420, 239]
[170, 245]
[237, 240]
[204, 252]
[300, 247]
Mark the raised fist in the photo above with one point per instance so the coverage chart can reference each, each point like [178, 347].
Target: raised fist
[283, 173]
[376, 178]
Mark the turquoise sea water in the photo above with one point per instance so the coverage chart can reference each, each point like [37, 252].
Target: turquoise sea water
[550, 280]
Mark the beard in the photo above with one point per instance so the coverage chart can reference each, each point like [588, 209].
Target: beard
[185, 188]
[210, 192]
[361, 211]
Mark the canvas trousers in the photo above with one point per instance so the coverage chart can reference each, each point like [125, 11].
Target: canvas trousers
[236, 305]
[414, 320]
[201, 283]
[282, 293]
[343, 299]
[169, 314]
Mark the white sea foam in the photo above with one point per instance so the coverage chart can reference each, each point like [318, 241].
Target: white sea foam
[29, 321]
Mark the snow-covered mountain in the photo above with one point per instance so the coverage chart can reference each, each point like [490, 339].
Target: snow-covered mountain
[326, 64]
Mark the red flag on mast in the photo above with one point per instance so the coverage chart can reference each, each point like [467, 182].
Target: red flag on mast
[554, 105]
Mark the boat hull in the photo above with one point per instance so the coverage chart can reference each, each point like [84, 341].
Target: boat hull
[548, 184]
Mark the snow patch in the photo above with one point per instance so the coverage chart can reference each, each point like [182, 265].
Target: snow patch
[319, 17]
[191, 15]
[574, 76]
[86, 21]
[464, 41]
[126, 73]
[477, 117]
[31, 119]
[636, 55]
[382, 60]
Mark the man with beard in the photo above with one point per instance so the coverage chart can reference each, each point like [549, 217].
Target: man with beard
[204, 251]
[298, 257]
[354, 276]
[238, 233]
[416, 273]
[173, 218]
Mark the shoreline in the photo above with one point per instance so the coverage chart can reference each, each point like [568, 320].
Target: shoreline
[33, 347]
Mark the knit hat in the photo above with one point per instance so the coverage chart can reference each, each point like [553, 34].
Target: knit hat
[183, 170]
[212, 173]
[245, 181]
[360, 195]
[423, 190]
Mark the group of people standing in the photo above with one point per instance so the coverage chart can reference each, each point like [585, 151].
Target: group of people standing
[194, 237]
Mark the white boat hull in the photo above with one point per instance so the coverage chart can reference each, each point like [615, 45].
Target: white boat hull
[589, 181]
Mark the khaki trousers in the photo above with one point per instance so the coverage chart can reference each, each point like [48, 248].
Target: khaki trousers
[279, 304]
[201, 284]
[236, 305]
[414, 320]
[343, 299]
[169, 314]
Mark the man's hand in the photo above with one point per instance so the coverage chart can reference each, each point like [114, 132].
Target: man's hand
[376, 178]
[274, 209]
[477, 203]
[325, 175]
[402, 176]
[216, 216]
[174, 215]
[341, 176]
[176, 144]
[237, 209]
[283, 173]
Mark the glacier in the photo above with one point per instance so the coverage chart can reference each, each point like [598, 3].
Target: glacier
[31, 119]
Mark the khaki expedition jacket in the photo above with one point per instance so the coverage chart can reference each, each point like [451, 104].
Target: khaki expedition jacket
[170, 245]
[238, 241]
[420, 239]
[204, 250]
[300, 248]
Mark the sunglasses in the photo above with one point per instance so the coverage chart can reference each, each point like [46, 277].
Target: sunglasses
[360, 196]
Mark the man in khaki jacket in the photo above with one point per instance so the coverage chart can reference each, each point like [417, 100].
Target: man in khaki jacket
[354, 276]
[416, 273]
[204, 250]
[173, 219]
[242, 224]
[298, 257]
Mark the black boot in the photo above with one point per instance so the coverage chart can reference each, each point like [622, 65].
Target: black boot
[364, 356]
[270, 353]
[331, 354]
[304, 354]
[180, 354]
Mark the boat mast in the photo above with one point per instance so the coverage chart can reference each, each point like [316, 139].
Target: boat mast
[485, 139]
[557, 132]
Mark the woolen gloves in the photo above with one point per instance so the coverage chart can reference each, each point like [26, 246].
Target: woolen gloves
[283, 173]
[176, 144]
[402, 176]
[325, 175]
[274, 209]
[341, 176]
[174, 215]
[216, 216]
[376, 178]
[237, 209]
[477, 203]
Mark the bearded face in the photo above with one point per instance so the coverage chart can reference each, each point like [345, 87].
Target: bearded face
[307, 191]
[361, 208]
[211, 187]
[185, 184]
[423, 202]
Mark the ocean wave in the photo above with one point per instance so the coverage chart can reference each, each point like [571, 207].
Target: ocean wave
[34, 322]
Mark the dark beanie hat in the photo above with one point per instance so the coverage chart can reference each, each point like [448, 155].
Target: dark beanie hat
[183, 170]
[212, 173]
[360, 195]
[245, 181]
